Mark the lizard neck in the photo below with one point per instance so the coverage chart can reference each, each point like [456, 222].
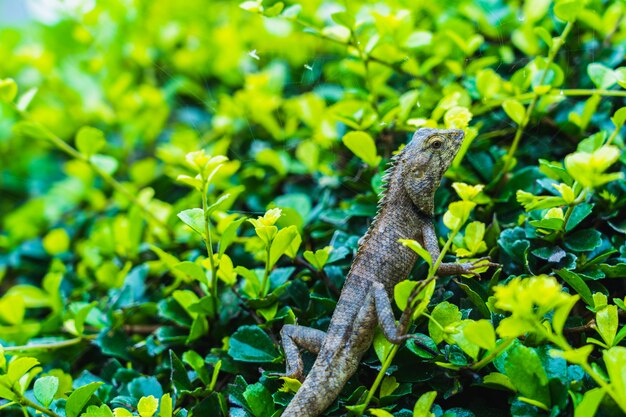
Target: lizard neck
[380, 256]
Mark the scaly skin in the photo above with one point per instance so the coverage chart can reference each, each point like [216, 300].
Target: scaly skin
[405, 212]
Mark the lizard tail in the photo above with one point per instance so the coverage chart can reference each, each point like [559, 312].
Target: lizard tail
[320, 388]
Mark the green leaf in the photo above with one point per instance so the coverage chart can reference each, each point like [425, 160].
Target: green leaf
[105, 163]
[481, 333]
[179, 377]
[45, 388]
[102, 411]
[424, 404]
[607, 323]
[318, 258]
[274, 10]
[588, 406]
[12, 309]
[251, 344]
[79, 399]
[56, 241]
[259, 400]
[379, 412]
[567, 10]
[19, 367]
[193, 218]
[578, 284]
[229, 235]
[416, 247]
[217, 203]
[382, 346]
[362, 145]
[619, 117]
[344, 18]
[615, 361]
[90, 140]
[281, 244]
[8, 90]
[525, 370]
[515, 110]
[166, 406]
[499, 380]
[443, 316]
[583, 240]
[603, 77]
[147, 406]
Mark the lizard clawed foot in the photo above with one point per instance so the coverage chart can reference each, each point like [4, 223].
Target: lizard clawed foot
[471, 267]
[299, 375]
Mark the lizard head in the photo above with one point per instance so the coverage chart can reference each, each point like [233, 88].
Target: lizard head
[424, 161]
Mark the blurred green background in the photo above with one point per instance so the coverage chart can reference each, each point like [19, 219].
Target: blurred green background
[106, 107]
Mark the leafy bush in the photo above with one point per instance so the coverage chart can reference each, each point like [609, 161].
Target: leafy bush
[180, 180]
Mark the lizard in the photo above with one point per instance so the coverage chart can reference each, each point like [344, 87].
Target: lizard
[405, 211]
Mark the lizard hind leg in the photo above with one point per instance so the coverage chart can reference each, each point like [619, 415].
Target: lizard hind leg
[292, 337]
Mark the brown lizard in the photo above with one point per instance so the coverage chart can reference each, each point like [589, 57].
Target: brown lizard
[405, 211]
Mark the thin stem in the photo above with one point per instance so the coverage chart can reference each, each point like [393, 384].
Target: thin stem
[112, 182]
[28, 403]
[614, 134]
[266, 274]
[49, 346]
[529, 110]
[209, 244]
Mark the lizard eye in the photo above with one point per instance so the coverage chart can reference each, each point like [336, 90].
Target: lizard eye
[436, 144]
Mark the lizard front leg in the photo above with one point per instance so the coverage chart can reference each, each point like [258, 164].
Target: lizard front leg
[430, 243]
[307, 338]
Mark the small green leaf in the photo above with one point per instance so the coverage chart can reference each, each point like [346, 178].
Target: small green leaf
[388, 386]
[259, 400]
[166, 406]
[619, 117]
[79, 399]
[424, 404]
[147, 406]
[105, 163]
[416, 247]
[481, 333]
[588, 406]
[45, 388]
[525, 370]
[515, 110]
[607, 323]
[363, 146]
[193, 218]
[281, 243]
[578, 284]
[274, 10]
[615, 361]
[90, 140]
[602, 76]
[379, 412]
[251, 344]
[12, 309]
[318, 258]
[567, 10]
[8, 90]
[56, 241]
[443, 316]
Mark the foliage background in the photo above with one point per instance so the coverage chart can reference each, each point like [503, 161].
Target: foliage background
[110, 302]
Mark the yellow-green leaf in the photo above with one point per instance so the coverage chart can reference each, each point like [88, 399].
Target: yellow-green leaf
[362, 145]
